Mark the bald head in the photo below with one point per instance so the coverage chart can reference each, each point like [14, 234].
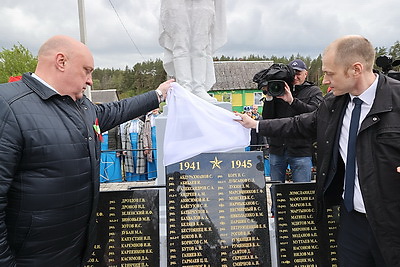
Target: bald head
[352, 48]
[347, 64]
[60, 43]
[66, 64]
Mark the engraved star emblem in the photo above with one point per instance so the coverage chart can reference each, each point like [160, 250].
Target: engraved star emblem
[216, 163]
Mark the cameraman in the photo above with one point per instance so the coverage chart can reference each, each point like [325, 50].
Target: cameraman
[300, 97]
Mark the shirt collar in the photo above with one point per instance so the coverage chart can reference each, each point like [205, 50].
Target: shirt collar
[368, 95]
[42, 81]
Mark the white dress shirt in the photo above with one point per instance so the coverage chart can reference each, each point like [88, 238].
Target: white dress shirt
[367, 97]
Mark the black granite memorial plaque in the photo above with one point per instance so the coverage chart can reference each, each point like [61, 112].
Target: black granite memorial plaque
[297, 236]
[127, 229]
[217, 211]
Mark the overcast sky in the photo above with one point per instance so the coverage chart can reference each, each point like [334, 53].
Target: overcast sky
[260, 27]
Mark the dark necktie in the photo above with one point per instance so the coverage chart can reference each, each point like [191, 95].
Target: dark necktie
[351, 155]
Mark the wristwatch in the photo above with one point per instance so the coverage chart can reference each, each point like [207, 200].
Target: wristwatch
[160, 95]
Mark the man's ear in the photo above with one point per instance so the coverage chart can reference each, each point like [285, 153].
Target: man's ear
[357, 68]
[61, 60]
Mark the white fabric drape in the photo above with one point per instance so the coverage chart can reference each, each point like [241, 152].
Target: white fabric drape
[195, 126]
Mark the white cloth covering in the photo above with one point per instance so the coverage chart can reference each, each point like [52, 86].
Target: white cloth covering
[195, 126]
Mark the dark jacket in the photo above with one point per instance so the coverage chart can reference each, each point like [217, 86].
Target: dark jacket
[306, 98]
[378, 157]
[49, 171]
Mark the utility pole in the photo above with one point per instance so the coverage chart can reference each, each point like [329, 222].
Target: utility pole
[82, 29]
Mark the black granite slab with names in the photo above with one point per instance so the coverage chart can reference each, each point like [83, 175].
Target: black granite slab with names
[127, 229]
[298, 240]
[217, 212]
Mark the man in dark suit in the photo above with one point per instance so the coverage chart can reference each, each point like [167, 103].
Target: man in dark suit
[357, 127]
[50, 135]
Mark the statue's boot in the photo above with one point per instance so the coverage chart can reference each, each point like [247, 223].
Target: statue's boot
[199, 75]
[183, 72]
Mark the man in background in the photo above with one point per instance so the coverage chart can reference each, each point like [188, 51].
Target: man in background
[292, 151]
[254, 113]
[257, 141]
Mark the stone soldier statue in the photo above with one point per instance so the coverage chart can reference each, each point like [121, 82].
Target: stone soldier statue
[190, 32]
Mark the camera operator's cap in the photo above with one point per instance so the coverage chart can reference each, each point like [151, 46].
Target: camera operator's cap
[298, 64]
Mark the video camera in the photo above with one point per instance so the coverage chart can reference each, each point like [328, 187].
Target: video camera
[272, 80]
[387, 64]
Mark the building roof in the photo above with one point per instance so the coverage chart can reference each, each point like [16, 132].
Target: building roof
[104, 96]
[231, 75]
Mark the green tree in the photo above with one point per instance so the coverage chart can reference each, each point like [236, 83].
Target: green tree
[15, 62]
[126, 86]
[380, 51]
[315, 71]
[147, 76]
[394, 50]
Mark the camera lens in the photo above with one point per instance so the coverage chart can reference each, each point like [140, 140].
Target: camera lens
[276, 88]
